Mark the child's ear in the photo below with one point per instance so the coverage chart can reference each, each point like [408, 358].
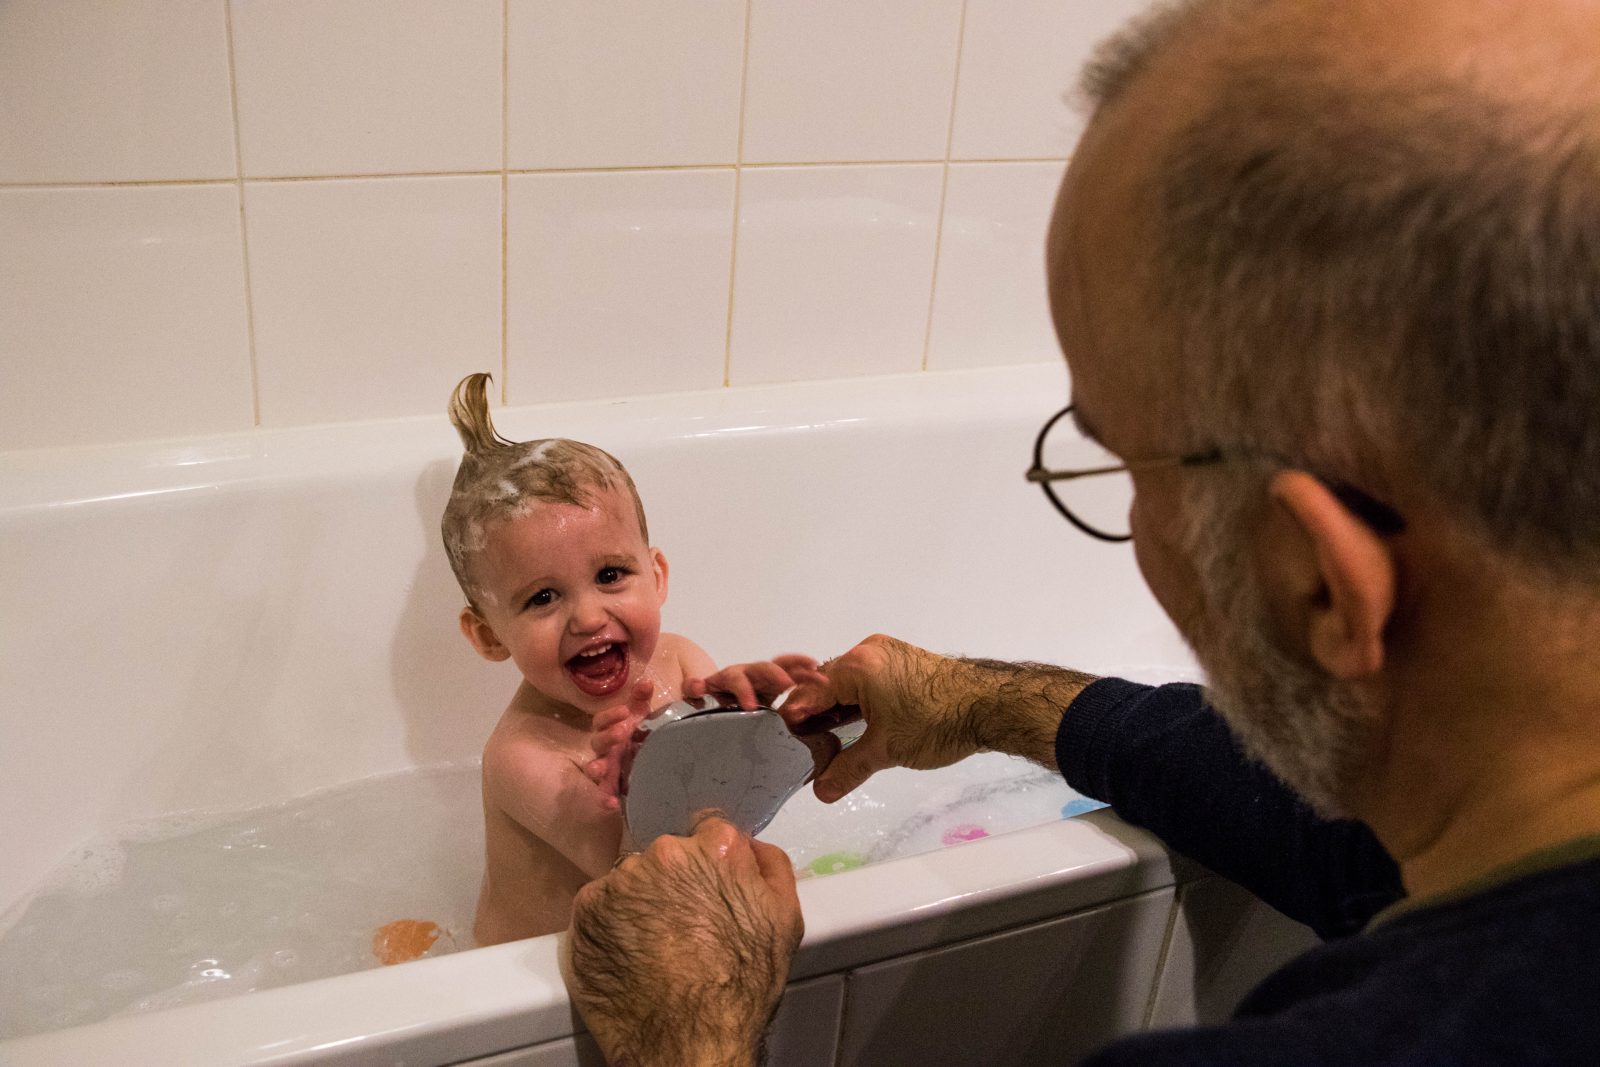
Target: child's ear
[659, 562]
[482, 636]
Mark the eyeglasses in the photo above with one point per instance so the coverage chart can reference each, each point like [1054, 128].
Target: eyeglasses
[1100, 484]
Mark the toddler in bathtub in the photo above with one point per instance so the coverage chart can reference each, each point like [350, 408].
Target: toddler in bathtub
[549, 543]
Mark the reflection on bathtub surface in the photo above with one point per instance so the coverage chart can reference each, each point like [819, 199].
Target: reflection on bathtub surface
[192, 909]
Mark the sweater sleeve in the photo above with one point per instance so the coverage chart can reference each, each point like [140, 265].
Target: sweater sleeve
[1166, 762]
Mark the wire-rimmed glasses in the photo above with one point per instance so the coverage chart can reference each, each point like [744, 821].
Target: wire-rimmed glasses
[1092, 487]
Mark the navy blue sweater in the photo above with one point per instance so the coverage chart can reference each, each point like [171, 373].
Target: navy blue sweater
[1507, 975]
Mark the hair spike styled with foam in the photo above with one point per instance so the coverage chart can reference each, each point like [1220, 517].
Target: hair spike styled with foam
[500, 479]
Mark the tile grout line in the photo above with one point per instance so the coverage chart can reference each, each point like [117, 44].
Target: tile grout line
[505, 199]
[738, 194]
[244, 224]
[944, 184]
[278, 179]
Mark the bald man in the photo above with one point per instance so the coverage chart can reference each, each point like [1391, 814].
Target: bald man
[1327, 278]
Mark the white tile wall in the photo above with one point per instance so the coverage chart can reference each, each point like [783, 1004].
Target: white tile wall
[748, 136]
[368, 86]
[833, 271]
[847, 80]
[372, 298]
[1019, 68]
[617, 283]
[122, 315]
[989, 306]
[131, 91]
[627, 83]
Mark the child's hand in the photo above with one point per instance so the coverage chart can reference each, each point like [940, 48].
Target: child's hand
[760, 683]
[613, 738]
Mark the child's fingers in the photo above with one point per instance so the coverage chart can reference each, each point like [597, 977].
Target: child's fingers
[736, 684]
[793, 661]
[694, 688]
[607, 718]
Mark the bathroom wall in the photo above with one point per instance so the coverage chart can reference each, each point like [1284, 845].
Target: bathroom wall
[224, 214]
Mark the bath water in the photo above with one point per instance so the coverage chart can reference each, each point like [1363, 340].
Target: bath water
[197, 907]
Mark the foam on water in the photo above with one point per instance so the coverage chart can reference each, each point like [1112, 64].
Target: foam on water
[194, 907]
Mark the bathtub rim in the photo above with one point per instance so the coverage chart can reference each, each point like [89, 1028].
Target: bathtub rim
[506, 997]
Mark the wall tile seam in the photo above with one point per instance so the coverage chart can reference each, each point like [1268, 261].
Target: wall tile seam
[738, 193]
[944, 183]
[505, 202]
[6, 186]
[248, 295]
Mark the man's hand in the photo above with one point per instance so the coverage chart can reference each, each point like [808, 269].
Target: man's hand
[679, 955]
[925, 711]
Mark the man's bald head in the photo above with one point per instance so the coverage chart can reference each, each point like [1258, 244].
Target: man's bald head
[1366, 238]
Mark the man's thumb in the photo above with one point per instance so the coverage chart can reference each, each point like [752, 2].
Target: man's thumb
[848, 770]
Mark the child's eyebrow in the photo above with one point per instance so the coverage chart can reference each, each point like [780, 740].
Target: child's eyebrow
[528, 588]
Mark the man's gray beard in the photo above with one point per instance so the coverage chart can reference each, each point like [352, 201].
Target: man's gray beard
[1312, 731]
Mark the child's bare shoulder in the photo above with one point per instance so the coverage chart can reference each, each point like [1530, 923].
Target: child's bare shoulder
[689, 658]
[526, 747]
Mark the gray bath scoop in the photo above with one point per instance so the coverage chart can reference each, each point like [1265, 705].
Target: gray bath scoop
[709, 753]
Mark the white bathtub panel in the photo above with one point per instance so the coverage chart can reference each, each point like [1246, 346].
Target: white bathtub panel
[1224, 941]
[978, 888]
[1047, 993]
[804, 1033]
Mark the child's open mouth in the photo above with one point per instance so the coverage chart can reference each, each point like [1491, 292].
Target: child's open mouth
[600, 671]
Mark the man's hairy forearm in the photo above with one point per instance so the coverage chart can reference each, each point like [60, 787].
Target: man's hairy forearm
[1016, 708]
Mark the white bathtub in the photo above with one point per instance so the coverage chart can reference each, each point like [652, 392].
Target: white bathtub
[225, 622]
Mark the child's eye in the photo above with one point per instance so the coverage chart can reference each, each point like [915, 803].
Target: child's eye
[543, 598]
[610, 575]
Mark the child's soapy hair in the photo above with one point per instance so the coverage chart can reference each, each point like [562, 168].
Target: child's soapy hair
[500, 479]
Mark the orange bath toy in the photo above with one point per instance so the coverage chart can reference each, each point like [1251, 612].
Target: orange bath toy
[403, 940]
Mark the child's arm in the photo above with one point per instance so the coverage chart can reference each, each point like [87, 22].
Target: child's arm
[545, 792]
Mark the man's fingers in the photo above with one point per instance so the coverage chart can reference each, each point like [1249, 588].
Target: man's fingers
[849, 769]
[777, 870]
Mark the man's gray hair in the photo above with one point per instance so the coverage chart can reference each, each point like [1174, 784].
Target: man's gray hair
[1389, 277]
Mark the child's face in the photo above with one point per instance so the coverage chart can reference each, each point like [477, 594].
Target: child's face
[573, 596]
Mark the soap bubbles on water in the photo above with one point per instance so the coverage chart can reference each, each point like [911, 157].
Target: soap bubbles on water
[196, 907]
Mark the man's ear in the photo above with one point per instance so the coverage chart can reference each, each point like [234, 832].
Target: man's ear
[482, 636]
[659, 563]
[1330, 577]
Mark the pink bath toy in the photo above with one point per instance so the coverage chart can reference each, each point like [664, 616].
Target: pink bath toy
[964, 832]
